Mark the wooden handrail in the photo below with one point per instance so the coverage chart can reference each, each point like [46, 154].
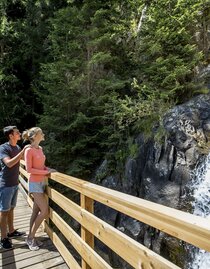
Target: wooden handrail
[190, 228]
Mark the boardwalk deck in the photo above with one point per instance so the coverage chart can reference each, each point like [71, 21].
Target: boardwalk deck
[20, 256]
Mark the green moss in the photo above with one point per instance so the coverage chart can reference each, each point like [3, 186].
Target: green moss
[173, 250]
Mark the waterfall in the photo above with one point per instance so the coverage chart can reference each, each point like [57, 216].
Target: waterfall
[201, 207]
[143, 16]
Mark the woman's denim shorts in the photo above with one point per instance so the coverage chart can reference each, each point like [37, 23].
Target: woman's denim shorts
[36, 187]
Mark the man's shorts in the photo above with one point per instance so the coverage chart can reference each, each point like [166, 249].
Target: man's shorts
[37, 186]
[8, 198]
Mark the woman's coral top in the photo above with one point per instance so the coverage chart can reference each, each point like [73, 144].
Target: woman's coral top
[35, 164]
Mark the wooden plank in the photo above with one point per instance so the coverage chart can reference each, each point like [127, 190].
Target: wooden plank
[190, 228]
[69, 259]
[20, 246]
[20, 256]
[131, 251]
[52, 263]
[87, 204]
[23, 183]
[34, 260]
[22, 190]
[47, 199]
[86, 252]
[68, 181]
[60, 266]
[30, 201]
[23, 172]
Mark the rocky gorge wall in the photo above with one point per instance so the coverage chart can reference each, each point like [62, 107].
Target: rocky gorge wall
[162, 172]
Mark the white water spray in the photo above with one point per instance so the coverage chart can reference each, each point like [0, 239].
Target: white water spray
[201, 205]
[143, 16]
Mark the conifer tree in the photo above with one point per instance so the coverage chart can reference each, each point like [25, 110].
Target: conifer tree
[88, 67]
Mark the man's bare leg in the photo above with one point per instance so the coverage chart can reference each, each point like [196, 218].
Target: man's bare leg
[3, 223]
[10, 220]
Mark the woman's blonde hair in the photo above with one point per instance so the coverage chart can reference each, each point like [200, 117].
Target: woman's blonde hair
[31, 133]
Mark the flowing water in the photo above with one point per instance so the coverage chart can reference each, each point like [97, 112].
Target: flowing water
[201, 206]
[143, 16]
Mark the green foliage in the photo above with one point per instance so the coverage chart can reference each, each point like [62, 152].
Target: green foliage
[23, 31]
[168, 41]
[85, 69]
[106, 82]
[95, 74]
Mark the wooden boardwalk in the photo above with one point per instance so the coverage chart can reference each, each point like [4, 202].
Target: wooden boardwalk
[20, 256]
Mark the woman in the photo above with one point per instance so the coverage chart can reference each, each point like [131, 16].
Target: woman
[35, 165]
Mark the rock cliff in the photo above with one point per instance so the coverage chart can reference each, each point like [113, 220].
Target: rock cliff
[162, 173]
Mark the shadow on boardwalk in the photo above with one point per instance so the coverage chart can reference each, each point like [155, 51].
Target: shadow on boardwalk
[20, 256]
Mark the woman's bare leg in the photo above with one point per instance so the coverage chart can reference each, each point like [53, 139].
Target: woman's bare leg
[34, 215]
[41, 202]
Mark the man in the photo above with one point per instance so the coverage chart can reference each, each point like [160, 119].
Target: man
[10, 155]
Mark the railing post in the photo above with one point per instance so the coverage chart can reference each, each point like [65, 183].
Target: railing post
[46, 221]
[87, 204]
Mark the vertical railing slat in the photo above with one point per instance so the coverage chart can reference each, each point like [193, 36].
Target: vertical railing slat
[87, 203]
[46, 221]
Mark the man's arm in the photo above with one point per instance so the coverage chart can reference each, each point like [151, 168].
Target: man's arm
[10, 162]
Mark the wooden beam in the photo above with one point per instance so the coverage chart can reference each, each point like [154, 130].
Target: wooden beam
[185, 226]
[131, 251]
[86, 252]
[69, 259]
[88, 237]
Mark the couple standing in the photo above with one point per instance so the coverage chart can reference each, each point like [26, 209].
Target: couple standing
[10, 155]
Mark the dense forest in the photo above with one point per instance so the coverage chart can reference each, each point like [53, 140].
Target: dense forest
[94, 74]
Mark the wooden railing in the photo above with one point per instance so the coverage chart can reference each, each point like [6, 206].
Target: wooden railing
[187, 227]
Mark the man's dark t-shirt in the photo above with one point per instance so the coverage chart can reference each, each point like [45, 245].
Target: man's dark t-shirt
[8, 176]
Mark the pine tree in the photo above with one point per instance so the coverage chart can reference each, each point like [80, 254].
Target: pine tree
[88, 66]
